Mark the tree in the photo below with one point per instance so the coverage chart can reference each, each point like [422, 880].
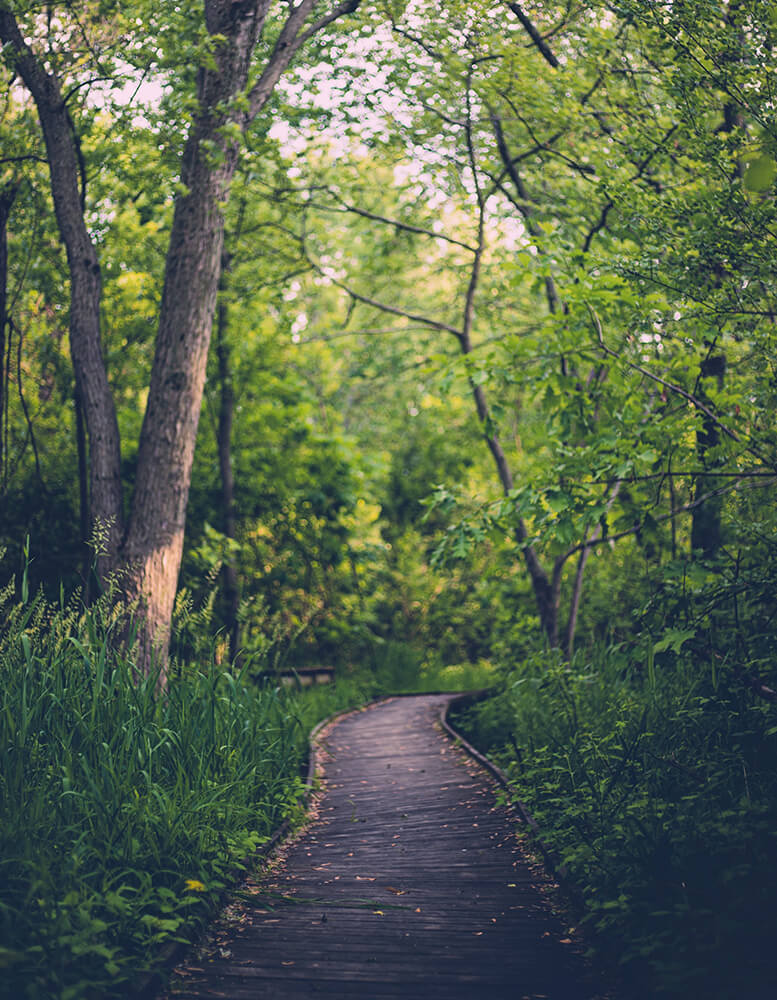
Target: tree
[538, 232]
[230, 93]
[467, 69]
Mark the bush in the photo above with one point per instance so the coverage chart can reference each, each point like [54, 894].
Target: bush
[125, 812]
[656, 784]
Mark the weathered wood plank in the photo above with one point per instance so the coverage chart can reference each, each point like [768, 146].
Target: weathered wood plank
[409, 884]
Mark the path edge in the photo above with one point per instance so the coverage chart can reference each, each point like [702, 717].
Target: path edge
[554, 864]
[150, 983]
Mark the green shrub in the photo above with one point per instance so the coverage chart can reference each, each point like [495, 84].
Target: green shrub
[125, 812]
[656, 784]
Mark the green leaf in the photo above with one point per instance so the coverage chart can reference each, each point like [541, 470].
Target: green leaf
[557, 501]
[674, 639]
[761, 173]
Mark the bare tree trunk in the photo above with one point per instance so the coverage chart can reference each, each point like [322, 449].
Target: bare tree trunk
[154, 541]
[224, 442]
[7, 197]
[85, 288]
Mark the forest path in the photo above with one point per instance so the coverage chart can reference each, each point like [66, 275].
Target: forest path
[407, 883]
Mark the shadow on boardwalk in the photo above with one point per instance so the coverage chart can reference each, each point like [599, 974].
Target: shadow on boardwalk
[408, 883]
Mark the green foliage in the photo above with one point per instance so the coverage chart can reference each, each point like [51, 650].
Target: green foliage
[125, 812]
[641, 188]
[654, 783]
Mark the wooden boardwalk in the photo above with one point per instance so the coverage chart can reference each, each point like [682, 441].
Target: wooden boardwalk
[408, 883]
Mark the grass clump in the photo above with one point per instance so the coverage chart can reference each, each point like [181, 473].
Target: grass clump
[125, 811]
[656, 784]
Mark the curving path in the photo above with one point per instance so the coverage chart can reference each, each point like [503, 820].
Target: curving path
[408, 883]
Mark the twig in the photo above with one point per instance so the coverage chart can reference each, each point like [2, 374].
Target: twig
[396, 223]
[394, 310]
[678, 390]
[531, 30]
[683, 509]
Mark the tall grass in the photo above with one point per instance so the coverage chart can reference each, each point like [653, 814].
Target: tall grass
[655, 780]
[124, 812]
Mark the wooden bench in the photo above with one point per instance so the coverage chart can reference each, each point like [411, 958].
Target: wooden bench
[300, 676]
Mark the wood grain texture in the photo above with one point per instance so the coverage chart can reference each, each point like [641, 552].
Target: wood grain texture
[408, 883]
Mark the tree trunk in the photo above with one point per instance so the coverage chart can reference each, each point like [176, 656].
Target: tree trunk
[149, 551]
[154, 541]
[85, 290]
[545, 593]
[7, 197]
[83, 494]
[706, 531]
[224, 442]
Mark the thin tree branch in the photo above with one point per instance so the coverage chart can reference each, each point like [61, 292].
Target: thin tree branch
[683, 509]
[385, 307]
[678, 390]
[577, 587]
[346, 7]
[531, 30]
[23, 159]
[551, 290]
[290, 39]
[402, 226]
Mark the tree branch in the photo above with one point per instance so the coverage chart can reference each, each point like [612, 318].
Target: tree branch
[385, 307]
[577, 587]
[683, 509]
[403, 226]
[678, 390]
[531, 30]
[23, 159]
[551, 290]
[288, 42]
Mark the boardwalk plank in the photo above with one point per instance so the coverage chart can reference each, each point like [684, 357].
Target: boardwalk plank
[409, 884]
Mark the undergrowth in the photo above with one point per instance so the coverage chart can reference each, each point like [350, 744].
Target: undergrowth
[655, 783]
[124, 812]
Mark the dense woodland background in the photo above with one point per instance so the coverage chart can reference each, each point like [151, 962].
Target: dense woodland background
[471, 309]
